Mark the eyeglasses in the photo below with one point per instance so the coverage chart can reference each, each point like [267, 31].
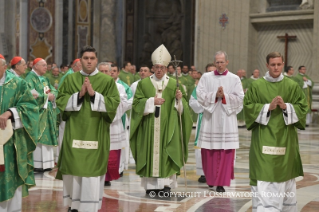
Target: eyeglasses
[160, 67]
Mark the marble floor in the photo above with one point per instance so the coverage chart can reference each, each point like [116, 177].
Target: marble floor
[126, 194]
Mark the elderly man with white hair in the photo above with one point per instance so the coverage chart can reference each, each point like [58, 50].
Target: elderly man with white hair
[19, 115]
[43, 156]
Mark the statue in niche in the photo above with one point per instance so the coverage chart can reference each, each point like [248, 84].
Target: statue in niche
[147, 51]
[170, 30]
[306, 4]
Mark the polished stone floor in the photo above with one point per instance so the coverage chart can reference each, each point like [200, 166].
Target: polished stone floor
[126, 194]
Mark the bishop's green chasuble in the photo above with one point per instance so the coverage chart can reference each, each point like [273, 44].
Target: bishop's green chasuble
[271, 167]
[18, 150]
[143, 132]
[48, 131]
[127, 77]
[86, 125]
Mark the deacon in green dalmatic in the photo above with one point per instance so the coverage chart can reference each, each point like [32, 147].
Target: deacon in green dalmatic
[17, 104]
[155, 135]
[275, 107]
[88, 101]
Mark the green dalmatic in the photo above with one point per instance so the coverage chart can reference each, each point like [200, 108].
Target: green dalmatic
[268, 167]
[18, 150]
[86, 125]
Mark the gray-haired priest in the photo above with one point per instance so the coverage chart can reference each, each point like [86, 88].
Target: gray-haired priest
[155, 135]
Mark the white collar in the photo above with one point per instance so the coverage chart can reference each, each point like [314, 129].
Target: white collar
[92, 74]
[252, 76]
[36, 73]
[13, 72]
[2, 80]
[156, 79]
[271, 79]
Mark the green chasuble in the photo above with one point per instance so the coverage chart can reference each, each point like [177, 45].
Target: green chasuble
[199, 120]
[127, 77]
[143, 131]
[86, 125]
[136, 77]
[18, 150]
[308, 90]
[54, 80]
[48, 131]
[300, 83]
[70, 71]
[269, 167]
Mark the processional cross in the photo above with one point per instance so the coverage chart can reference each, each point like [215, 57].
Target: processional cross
[287, 37]
[175, 63]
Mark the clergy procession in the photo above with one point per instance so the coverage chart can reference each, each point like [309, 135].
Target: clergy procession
[93, 121]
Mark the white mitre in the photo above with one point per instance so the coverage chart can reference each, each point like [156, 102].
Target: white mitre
[161, 56]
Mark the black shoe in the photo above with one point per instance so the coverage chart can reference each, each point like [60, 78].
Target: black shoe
[210, 187]
[121, 174]
[38, 170]
[307, 125]
[243, 126]
[220, 189]
[74, 210]
[107, 183]
[165, 191]
[202, 179]
[47, 170]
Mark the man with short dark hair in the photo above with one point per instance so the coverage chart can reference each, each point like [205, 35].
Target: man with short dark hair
[303, 78]
[88, 101]
[275, 107]
[118, 138]
[126, 75]
[54, 77]
[170, 70]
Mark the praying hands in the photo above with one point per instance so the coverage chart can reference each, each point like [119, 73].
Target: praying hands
[277, 101]
[87, 87]
[220, 92]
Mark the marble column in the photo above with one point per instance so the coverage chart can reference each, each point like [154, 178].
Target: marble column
[70, 31]
[315, 44]
[23, 27]
[104, 35]
[58, 34]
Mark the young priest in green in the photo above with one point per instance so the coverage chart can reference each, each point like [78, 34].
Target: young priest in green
[88, 101]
